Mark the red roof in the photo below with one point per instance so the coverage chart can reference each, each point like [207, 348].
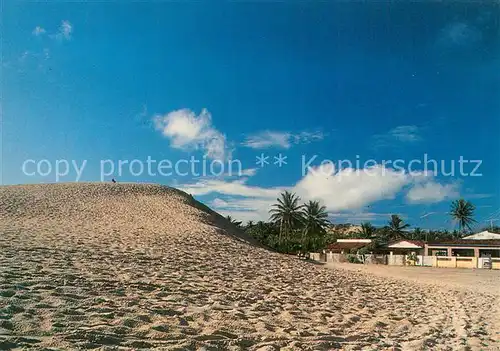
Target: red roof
[338, 247]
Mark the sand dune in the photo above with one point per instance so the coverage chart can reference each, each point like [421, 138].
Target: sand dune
[123, 266]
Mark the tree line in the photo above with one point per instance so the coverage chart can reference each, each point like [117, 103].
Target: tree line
[296, 227]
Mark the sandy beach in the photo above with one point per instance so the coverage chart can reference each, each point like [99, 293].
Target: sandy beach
[129, 267]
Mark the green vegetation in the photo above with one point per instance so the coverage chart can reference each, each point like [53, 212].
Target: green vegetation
[234, 221]
[302, 228]
[463, 212]
[314, 224]
[287, 215]
[397, 227]
[353, 259]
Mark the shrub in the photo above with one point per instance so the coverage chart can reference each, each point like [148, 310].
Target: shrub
[365, 250]
[353, 259]
[411, 259]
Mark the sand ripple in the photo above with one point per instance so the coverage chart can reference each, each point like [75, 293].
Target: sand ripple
[121, 267]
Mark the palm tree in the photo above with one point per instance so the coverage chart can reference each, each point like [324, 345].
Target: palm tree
[286, 213]
[367, 230]
[315, 220]
[250, 224]
[418, 234]
[397, 227]
[463, 212]
[233, 221]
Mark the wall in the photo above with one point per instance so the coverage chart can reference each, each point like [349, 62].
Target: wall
[455, 262]
[396, 260]
[466, 262]
[336, 257]
[476, 249]
[317, 256]
[400, 260]
[369, 259]
[495, 262]
[445, 262]
[376, 259]
[480, 261]
[424, 261]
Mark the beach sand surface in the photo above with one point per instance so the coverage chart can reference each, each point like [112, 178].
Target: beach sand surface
[141, 266]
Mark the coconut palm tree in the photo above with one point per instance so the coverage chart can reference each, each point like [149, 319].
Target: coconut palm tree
[233, 221]
[367, 230]
[250, 224]
[418, 234]
[315, 220]
[463, 212]
[397, 227]
[286, 214]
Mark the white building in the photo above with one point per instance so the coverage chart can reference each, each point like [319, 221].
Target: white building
[486, 235]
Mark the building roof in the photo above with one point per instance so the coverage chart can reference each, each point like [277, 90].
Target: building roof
[339, 246]
[354, 240]
[486, 235]
[406, 244]
[466, 242]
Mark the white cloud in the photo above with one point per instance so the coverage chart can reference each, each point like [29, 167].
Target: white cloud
[65, 30]
[34, 56]
[350, 189]
[399, 134]
[261, 205]
[219, 203]
[307, 137]
[38, 31]
[284, 140]
[459, 34]
[406, 133]
[358, 217]
[249, 172]
[241, 201]
[345, 193]
[37, 55]
[268, 139]
[430, 191]
[235, 172]
[244, 216]
[255, 209]
[24, 55]
[186, 131]
[234, 188]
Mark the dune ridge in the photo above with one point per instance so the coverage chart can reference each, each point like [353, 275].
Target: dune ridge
[143, 266]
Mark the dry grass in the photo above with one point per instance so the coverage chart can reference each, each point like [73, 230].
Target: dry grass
[122, 266]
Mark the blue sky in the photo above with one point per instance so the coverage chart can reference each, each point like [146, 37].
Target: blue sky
[342, 81]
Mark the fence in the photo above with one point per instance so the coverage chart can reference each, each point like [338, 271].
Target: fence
[424, 261]
[454, 262]
[336, 257]
[393, 260]
[402, 260]
[495, 262]
[375, 259]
